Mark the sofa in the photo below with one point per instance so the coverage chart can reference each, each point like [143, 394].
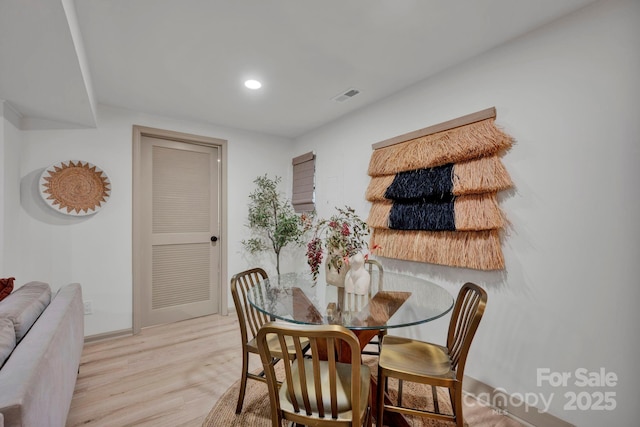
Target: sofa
[41, 340]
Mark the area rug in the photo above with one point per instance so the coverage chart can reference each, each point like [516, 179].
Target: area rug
[256, 410]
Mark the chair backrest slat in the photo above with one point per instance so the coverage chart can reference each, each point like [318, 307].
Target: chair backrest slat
[319, 365]
[333, 386]
[250, 319]
[462, 323]
[468, 311]
[317, 380]
[288, 362]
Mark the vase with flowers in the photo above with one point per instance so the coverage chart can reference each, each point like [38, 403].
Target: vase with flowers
[340, 237]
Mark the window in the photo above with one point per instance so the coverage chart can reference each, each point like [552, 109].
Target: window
[303, 195]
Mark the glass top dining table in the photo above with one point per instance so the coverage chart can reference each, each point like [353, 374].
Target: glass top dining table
[397, 300]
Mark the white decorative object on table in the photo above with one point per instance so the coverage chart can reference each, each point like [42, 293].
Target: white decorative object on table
[336, 275]
[356, 283]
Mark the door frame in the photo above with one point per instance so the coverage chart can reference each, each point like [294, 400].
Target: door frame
[138, 133]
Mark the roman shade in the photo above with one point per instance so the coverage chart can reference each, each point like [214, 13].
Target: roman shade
[303, 195]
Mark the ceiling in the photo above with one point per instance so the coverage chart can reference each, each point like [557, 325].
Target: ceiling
[188, 59]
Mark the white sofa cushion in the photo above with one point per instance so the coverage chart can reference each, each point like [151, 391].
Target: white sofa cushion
[24, 305]
[7, 339]
[38, 379]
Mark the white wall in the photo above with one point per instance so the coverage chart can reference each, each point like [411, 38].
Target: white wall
[3, 204]
[96, 250]
[569, 94]
[9, 193]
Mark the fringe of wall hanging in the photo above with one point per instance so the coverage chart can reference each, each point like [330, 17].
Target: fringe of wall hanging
[479, 250]
[464, 213]
[434, 196]
[486, 174]
[467, 142]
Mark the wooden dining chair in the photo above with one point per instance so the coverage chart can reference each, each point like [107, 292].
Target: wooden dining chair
[250, 320]
[432, 364]
[317, 390]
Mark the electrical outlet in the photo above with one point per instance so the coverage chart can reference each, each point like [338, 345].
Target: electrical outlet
[87, 307]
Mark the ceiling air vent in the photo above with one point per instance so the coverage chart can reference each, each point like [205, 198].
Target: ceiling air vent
[350, 93]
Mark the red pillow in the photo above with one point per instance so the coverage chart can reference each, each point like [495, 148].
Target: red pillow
[6, 286]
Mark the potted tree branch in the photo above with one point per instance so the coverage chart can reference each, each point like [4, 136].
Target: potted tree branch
[272, 220]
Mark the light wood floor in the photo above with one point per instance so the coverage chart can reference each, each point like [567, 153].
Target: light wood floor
[169, 375]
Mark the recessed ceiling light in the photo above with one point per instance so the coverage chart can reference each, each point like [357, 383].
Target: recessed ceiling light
[253, 84]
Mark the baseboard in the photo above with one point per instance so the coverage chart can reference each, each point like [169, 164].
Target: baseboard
[511, 406]
[108, 335]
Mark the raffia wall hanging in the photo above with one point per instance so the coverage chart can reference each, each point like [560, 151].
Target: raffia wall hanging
[434, 193]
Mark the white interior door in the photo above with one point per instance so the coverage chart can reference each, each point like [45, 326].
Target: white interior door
[179, 254]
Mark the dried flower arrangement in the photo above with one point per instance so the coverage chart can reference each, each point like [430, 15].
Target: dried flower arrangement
[342, 235]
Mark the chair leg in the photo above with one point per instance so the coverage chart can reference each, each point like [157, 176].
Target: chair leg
[380, 398]
[243, 381]
[370, 410]
[457, 406]
[434, 393]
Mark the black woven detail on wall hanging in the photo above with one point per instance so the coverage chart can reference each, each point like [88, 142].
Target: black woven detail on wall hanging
[429, 215]
[421, 183]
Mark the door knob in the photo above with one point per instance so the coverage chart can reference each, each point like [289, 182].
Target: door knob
[214, 238]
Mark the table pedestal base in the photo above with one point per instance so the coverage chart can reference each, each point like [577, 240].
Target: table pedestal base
[392, 418]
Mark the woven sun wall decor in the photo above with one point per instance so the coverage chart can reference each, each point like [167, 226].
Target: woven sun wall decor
[75, 187]
[434, 194]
